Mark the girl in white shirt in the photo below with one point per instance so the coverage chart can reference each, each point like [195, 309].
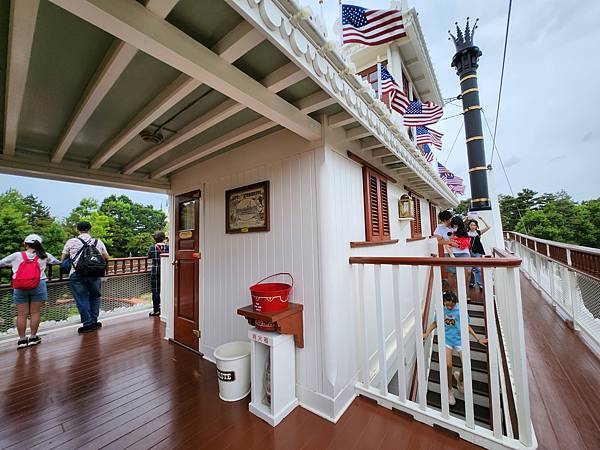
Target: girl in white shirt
[29, 301]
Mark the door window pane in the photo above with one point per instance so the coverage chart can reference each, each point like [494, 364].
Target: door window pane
[187, 216]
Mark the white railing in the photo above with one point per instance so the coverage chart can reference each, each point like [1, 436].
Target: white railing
[391, 293]
[568, 275]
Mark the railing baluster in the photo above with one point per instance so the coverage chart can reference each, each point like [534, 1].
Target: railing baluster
[400, 353]
[383, 375]
[466, 347]
[490, 320]
[362, 330]
[519, 358]
[436, 298]
[420, 350]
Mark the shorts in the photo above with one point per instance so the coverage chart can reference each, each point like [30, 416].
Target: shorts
[460, 255]
[38, 294]
[458, 348]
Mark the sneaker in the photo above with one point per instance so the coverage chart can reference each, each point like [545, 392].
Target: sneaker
[96, 325]
[155, 313]
[459, 383]
[471, 286]
[480, 288]
[34, 340]
[86, 329]
[22, 343]
[451, 399]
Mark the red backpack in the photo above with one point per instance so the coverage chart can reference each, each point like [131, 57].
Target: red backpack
[28, 274]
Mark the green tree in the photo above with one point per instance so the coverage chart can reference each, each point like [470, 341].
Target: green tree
[13, 229]
[462, 207]
[512, 208]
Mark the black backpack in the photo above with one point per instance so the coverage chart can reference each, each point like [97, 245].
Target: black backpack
[91, 263]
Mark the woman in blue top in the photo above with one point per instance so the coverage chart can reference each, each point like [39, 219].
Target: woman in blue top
[453, 340]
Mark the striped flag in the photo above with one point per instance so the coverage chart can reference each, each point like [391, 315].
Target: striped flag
[371, 26]
[458, 189]
[444, 172]
[398, 99]
[427, 153]
[428, 136]
[420, 114]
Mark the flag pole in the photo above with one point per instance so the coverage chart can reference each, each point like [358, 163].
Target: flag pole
[378, 78]
[341, 24]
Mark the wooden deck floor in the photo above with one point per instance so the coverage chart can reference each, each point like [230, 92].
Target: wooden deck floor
[124, 386]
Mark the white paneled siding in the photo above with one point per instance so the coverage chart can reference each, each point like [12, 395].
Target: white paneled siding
[233, 262]
[347, 225]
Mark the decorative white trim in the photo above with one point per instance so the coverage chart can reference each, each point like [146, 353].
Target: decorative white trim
[298, 36]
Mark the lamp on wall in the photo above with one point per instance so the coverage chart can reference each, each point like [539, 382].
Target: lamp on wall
[405, 207]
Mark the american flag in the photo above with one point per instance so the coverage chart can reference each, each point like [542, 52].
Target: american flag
[458, 189]
[444, 172]
[388, 84]
[427, 153]
[428, 136]
[454, 181]
[420, 114]
[398, 99]
[371, 26]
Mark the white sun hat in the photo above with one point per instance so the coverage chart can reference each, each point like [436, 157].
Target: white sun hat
[32, 238]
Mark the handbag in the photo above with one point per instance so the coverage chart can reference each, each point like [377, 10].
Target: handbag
[65, 266]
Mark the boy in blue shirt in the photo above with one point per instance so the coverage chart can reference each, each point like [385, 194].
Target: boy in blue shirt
[453, 340]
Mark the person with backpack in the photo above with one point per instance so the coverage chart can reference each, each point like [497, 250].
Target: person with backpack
[88, 264]
[154, 253]
[29, 286]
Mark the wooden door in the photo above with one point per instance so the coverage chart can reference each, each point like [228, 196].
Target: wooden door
[187, 270]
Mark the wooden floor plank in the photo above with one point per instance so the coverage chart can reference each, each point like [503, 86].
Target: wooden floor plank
[126, 387]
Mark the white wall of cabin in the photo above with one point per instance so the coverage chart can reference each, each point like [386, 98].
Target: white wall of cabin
[316, 200]
[233, 262]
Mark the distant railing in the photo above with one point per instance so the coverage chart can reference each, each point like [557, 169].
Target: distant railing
[569, 275]
[389, 295]
[125, 288]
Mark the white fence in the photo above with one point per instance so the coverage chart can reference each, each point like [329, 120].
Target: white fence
[568, 275]
[381, 305]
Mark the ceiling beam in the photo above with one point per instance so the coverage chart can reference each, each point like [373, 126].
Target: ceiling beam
[235, 136]
[370, 143]
[23, 16]
[315, 102]
[112, 67]
[276, 81]
[357, 133]
[134, 24]
[231, 47]
[341, 119]
[381, 152]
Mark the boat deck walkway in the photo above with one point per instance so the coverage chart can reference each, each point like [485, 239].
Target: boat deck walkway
[124, 386]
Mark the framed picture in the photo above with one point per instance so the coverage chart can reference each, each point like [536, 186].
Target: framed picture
[247, 208]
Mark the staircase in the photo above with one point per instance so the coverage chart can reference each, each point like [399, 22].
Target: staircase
[479, 369]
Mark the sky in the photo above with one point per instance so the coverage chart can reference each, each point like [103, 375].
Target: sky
[548, 132]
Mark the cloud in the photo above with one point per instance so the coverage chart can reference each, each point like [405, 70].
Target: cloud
[587, 136]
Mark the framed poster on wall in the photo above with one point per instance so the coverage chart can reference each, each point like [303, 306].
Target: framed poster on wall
[247, 208]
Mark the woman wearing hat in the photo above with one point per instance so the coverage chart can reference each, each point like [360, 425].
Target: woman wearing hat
[29, 301]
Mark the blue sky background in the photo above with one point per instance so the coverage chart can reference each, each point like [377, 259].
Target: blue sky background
[548, 133]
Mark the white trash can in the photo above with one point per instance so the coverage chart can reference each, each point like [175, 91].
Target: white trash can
[233, 370]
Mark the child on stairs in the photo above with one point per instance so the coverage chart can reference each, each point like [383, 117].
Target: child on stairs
[453, 341]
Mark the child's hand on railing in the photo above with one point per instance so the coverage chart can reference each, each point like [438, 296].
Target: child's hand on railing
[483, 341]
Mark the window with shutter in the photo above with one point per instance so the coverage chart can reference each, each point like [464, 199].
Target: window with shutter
[432, 218]
[377, 216]
[416, 230]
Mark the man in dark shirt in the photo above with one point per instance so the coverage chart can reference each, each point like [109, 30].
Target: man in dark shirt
[154, 253]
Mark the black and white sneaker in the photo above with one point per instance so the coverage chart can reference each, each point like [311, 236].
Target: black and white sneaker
[96, 325]
[34, 340]
[22, 343]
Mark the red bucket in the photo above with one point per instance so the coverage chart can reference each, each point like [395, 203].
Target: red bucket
[271, 297]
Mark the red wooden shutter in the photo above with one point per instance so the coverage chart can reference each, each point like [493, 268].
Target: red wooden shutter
[377, 216]
[415, 229]
[385, 212]
[432, 218]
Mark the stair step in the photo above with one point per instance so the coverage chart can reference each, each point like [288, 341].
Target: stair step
[473, 345]
[476, 375]
[478, 387]
[477, 313]
[476, 365]
[482, 414]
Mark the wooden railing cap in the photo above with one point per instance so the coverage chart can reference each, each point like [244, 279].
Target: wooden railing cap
[429, 261]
